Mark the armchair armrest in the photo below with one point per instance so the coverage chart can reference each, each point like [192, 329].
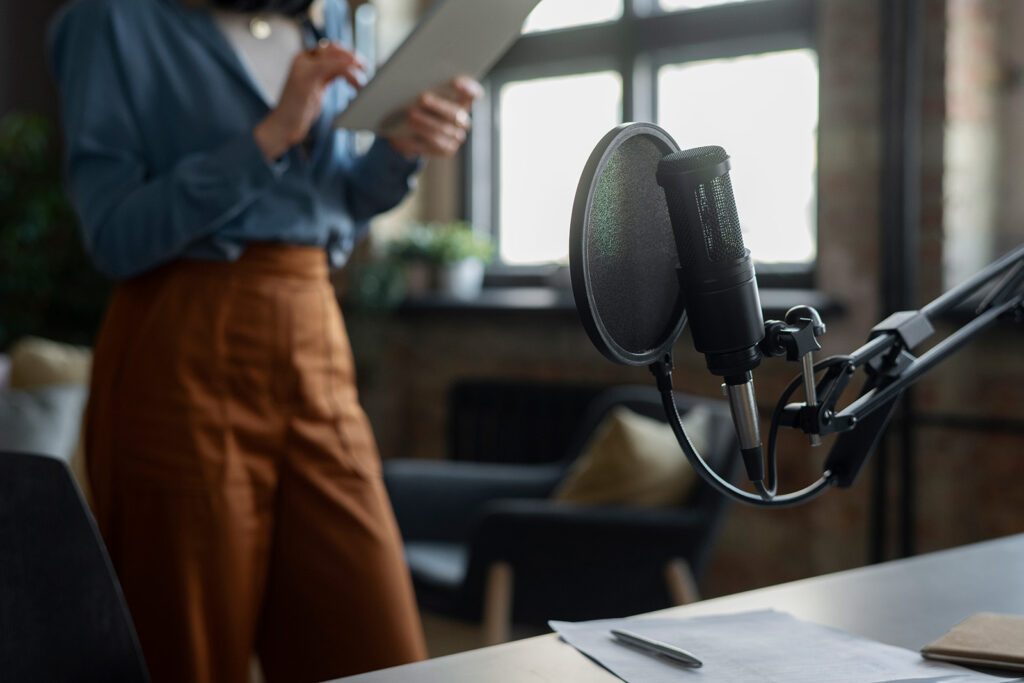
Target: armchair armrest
[441, 500]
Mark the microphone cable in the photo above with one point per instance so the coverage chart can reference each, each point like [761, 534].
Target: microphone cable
[766, 497]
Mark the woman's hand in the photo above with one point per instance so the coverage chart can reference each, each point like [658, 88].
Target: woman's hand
[302, 98]
[437, 123]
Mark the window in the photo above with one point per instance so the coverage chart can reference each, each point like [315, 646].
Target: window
[774, 153]
[674, 5]
[540, 147]
[742, 74]
[565, 13]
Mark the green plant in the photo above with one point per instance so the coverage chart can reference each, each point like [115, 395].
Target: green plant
[441, 244]
[417, 243]
[374, 284]
[47, 286]
[458, 241]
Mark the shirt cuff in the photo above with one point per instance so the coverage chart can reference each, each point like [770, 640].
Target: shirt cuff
[382, 161]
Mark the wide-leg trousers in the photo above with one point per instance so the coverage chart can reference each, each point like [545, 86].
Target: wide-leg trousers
[236, 479]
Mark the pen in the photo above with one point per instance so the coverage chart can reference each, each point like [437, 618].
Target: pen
[656, 647]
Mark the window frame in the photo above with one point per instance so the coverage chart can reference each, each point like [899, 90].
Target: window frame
[637, 45]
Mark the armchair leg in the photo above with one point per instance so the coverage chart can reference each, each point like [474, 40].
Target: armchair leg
[498, 604]
[682, 586]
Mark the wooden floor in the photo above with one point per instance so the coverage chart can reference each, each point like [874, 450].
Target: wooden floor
[446, 636]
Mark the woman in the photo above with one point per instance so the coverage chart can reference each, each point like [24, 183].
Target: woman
[236, 480]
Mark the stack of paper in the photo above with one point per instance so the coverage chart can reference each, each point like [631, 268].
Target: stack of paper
[757, 646]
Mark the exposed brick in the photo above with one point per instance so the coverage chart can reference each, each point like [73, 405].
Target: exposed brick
[968, 481]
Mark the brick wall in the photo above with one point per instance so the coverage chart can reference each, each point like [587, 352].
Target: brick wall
[971, 137]
[408, 361]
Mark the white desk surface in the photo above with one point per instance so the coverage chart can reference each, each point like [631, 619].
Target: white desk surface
[905, 602]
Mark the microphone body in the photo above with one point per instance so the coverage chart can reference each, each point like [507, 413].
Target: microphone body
[718, 282]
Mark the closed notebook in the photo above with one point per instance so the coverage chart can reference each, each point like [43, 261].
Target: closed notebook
[985, 639]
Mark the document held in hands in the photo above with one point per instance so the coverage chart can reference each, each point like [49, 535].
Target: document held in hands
[454, 38]
[757, 646]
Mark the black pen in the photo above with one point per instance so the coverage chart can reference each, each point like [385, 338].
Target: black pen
[657, 647]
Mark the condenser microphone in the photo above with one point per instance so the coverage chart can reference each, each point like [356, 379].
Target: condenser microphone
[718, 284]
[655, 241]
[641, 266]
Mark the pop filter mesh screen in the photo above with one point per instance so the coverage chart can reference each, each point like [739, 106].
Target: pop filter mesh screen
[630, 249]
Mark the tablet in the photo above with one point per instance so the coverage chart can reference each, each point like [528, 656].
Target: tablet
[455, 37]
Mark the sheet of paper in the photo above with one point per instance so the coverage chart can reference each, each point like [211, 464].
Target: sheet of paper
[767, 646]
[454, 37]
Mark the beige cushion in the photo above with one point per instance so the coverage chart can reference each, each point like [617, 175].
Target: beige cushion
[39, 362]
[635, 460]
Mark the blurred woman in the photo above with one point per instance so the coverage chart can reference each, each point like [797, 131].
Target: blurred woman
[235, 477]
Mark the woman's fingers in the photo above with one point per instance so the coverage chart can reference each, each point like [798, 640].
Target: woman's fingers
[301, 100]
[435, 136]
[437, 122]
[446, 122]
[326, 50]
[466, 90]
[443, 109]
[331, 61]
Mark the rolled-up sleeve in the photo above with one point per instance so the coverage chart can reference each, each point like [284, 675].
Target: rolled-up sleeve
[133, 219]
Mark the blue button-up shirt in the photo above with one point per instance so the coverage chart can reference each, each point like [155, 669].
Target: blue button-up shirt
[158, 113]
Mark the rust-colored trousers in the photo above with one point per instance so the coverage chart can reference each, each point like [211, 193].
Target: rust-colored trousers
[236, 479]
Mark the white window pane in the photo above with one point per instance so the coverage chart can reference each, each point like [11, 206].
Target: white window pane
[763, 110]
[673, 5]
[552, 14]
[548, 128]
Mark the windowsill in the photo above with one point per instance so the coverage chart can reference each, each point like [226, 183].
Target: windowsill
[496, 299]
[774, 302]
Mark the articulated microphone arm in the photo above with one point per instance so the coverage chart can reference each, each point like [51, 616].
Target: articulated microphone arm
[890, 367]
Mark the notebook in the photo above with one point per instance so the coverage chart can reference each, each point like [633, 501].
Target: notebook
[455, 37]
[985, 639]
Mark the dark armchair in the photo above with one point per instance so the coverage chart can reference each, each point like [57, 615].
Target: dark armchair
[62, 615]
[486, 540]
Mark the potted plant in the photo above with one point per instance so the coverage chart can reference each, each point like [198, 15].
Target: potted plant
[448, 258]
[47, 285]
[463, 255]
[416, 253]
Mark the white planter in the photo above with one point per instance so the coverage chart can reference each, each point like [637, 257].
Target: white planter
[462, 279]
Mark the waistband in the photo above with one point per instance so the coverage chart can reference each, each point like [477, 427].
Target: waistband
[263, 260]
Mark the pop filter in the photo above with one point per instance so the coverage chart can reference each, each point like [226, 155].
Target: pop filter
[622, 252]
[626, 276]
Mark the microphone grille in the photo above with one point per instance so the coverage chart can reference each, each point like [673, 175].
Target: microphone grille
[693, 159]
[723, 238]
[715, 205]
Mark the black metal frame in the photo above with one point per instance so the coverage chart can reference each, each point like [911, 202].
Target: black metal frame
[900, 200]
[636, 45]
[891, 370]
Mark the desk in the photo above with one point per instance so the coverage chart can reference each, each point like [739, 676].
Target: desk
[905, 602]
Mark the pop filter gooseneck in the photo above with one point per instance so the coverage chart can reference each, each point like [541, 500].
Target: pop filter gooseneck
[629, 284]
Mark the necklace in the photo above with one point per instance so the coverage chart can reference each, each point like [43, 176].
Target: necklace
[259, 27]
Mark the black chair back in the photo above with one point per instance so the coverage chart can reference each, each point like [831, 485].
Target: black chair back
[487, 418]
[62, 615]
